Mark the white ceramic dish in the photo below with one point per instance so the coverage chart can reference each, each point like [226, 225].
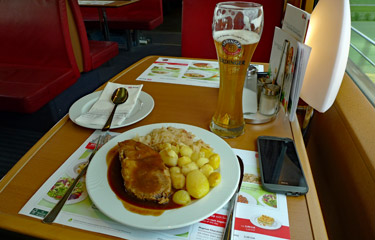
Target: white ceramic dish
[143, 107]
[106, 200]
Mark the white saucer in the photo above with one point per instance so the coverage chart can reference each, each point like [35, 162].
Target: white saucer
[144, 105]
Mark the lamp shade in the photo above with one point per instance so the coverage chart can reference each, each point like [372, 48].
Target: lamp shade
[329, 38]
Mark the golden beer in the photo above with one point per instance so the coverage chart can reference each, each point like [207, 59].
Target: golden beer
[236, 30]
[234, 50]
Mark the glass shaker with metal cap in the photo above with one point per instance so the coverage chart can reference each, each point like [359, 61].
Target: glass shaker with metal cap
[269, 99]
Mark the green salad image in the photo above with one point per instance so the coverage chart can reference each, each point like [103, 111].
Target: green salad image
[270, 200]
[62, 185]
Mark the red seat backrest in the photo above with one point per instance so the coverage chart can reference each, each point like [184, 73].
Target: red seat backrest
[82, 33]
[197, 28]
[32, 35]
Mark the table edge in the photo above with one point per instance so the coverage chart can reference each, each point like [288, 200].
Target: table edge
[319, 230]
[30, 153]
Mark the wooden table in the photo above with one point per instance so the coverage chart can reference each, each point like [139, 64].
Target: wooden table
[173, 103]
[102, 5]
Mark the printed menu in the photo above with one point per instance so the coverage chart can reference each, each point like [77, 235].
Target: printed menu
[184, 71]
[259, 214]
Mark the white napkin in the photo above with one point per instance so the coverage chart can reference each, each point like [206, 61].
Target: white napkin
[100, 111]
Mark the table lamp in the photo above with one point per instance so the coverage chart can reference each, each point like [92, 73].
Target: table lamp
[329, 37]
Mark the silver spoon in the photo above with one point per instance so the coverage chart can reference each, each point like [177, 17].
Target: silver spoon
[120, 95]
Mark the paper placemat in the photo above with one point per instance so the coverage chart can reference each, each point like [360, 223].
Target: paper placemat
[81, 212]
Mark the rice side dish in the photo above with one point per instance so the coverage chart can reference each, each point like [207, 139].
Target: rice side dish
[175, 136]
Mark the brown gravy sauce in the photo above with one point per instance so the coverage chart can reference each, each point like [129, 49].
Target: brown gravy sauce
[130, 202]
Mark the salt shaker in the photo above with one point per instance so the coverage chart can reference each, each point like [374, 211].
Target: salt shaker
[262, 81]
[251, 78]
[269, 99]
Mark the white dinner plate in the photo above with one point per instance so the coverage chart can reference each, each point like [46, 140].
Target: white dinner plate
[107, 202]
[143, 107]
[276, 224]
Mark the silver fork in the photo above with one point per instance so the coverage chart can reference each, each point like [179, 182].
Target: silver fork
[51, 216]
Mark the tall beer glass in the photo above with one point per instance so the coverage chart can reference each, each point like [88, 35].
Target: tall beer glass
[236, 29]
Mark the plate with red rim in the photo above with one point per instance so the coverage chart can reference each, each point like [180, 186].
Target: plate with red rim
[108, 203]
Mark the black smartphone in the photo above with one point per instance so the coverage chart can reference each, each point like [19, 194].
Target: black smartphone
[280, 166]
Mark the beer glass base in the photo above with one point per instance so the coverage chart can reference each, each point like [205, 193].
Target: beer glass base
[226, 132]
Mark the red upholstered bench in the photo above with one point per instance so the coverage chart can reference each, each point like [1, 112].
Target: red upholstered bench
[142, 15]
[36, 58]
[94, 53]
[196, 35]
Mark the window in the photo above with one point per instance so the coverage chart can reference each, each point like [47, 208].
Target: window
[361, 62]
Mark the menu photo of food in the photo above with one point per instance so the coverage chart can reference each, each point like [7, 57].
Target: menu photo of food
[269, 213]
[246, 198]
[183, 71]
[58, 190]
[202, 71]
[262, 197]
[268, 200]
[266, 222]
[161, 70]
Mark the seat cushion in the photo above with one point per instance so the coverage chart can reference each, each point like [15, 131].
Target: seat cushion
[102, 51]
[26, 89]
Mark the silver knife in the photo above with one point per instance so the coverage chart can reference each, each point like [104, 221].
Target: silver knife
[51, 216]
[229, 227]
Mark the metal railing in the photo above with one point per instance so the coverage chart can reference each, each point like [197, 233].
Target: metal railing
[359, 51]
[361, 79]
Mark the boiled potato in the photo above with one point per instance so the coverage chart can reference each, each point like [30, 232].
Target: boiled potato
[165, 146]
[186, 151]
[207, 169]
[188, 168]
[207, 152]
[196, 155]
[214, 179]
[173, 170]
[181, 197]
[214, 160]
[197, 184]
[202, 161]
[169, 157]
[183, 161]
[175, 148]
[178, 180]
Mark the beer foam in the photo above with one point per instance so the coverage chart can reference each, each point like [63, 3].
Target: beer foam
[252, 16]
[243, 36]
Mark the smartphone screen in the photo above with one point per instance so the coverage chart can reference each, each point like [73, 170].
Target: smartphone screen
[280, 166]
